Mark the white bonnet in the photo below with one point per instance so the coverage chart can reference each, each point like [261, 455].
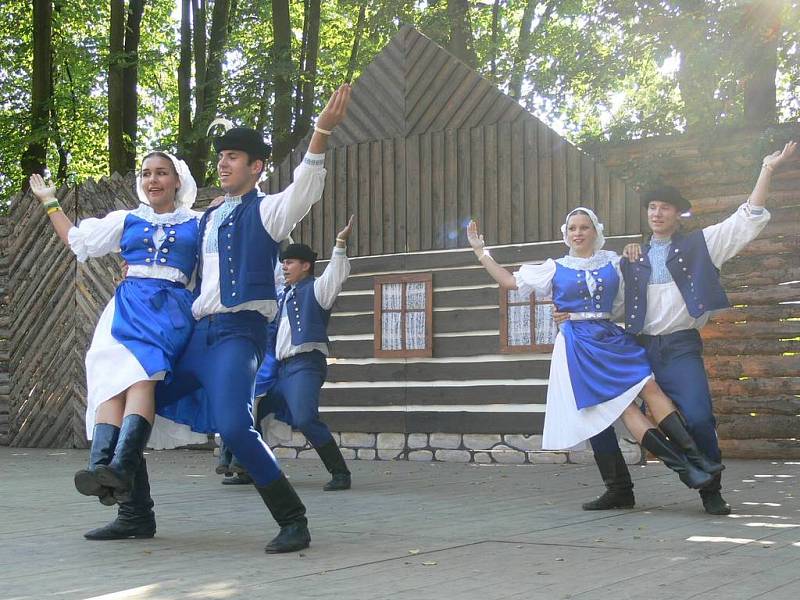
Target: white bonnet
[598, 226]
[186, 194]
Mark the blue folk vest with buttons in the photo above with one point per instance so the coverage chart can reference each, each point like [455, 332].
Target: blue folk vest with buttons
[247, 254]
[307, 319]
[571, 293]
[177, 250]
[692, 270]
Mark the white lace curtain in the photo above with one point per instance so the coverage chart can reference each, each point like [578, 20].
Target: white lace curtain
[393, 317]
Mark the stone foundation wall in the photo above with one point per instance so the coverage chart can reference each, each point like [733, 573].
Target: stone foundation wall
[448, 447]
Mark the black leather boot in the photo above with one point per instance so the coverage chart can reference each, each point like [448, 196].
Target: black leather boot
[135, 518]
[656, 443]
[675, 427]
[334, 461]
[619, 487]
[104, 440]
[290, 514]
[713, 502]
[120, 472]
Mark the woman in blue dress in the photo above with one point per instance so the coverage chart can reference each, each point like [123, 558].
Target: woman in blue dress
[597, 370]
[143, 329]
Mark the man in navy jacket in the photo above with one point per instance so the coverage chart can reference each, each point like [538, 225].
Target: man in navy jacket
[236, 299]
[301, 347]
[671, 288]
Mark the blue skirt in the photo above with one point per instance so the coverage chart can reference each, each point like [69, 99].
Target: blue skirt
[153, 320]
[603, 361]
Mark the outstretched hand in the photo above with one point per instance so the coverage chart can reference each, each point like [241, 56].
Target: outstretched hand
[41, 189]
[632, 251]
[348, 229]
[475, 239]
[336, 109]
[779, 157]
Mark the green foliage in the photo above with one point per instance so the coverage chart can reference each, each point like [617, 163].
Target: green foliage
[596, 69]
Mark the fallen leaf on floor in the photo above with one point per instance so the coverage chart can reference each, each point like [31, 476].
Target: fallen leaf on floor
[414, 551]
[429, 563]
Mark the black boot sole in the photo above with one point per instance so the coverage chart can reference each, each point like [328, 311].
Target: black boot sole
[614, 506]
[132, 536]
[87, 484]
[120, 488]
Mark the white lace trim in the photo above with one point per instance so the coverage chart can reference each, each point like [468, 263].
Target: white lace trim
[595, 261]
[181, 215]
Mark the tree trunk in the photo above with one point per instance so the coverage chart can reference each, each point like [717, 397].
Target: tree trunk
[34, 158]
[761, 32]
[184, 82]
[218, 40]
[309, 74]
[493, 56]
[199, 33]
[461, 42]
[282, 69]
[353, 62]
[130, 80]
[523, 51]
[117, 159]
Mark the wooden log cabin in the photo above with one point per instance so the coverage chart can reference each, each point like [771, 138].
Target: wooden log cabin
[429, 361]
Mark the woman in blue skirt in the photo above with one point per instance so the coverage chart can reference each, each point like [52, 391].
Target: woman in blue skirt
[597, 370]
[142, 331]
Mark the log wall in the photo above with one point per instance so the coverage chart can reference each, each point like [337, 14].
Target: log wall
[5, 332]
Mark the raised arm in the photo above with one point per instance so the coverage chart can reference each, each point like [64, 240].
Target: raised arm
[500, 274]
[281, 212]
[333, 114]
[328, 285]
[758, 197]
[47, 196]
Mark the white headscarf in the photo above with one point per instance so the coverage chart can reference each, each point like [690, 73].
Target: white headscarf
[185, 195]
[598, 227]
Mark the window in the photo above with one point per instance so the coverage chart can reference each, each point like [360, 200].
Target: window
[526, 324]
[403, 315]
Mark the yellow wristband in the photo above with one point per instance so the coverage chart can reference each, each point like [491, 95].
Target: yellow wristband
[322, 131]
[341, 240]
[53, 209]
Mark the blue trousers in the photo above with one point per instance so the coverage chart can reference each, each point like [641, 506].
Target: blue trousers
[677, 363]
[222, 357]
[299, 380]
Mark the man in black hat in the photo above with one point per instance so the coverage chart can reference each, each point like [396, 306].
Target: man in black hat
[236, 299]
[671, 288]
[301, 347]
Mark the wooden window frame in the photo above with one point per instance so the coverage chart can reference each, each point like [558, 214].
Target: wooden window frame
[532, 347]
[379, 282]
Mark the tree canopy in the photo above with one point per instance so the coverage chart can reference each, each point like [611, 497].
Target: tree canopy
[592, 69]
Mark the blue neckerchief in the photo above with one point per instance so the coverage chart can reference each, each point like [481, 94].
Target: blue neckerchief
[219, 216]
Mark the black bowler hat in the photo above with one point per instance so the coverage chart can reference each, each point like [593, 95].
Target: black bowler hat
[666, 193]
[300, 252]
[244, 139]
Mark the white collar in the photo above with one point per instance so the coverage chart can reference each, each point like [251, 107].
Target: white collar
[595, 261]
[180, 215]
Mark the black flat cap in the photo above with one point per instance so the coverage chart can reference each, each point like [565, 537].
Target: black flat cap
[300, 252]
[244, 139]
[666, 193]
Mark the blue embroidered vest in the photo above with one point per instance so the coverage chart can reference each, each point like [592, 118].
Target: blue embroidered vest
[571, 293]
[691, 268]
[177, 250]
[307, 319]
[247, 254]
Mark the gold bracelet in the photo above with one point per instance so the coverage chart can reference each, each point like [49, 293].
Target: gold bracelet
[322, 131]
[53, 209]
